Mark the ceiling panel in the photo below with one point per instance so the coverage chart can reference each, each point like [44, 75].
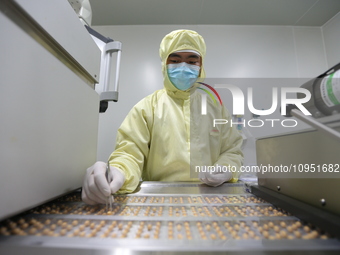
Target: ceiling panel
[250, 12]
[144, 12]
[226, 12]
[320, 13]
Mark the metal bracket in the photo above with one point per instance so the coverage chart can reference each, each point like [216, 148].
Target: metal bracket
[316, 124]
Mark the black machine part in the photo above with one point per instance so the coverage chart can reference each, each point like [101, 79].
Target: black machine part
[317, 105]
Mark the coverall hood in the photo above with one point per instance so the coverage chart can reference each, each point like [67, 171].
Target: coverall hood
[181, 40]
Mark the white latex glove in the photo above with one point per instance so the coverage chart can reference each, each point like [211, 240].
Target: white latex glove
[217, 177]
[95, 186]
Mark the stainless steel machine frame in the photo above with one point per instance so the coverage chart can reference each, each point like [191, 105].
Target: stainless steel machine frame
[310, 189]
[165, 218]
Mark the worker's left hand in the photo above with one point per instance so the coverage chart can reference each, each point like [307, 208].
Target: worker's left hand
[217, 177]
[96, 189]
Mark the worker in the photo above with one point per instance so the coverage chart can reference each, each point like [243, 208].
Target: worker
[165, 137]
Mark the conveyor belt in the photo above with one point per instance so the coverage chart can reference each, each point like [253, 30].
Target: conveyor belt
[167, 218]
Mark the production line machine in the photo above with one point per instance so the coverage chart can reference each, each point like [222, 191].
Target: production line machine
[296, 213]
[275, 212]
[165, 218]
[265, 216]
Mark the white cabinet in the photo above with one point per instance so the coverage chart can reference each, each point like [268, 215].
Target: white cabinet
[49, 109]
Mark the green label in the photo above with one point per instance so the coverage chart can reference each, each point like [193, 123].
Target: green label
[330, 92]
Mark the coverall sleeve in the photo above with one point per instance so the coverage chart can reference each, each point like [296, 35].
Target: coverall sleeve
[132, 145]
[231, 153]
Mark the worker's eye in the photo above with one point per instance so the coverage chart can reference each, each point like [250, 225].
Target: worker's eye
[193, 61]
[174, 60]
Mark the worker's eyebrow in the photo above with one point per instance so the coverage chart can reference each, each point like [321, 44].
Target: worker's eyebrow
[174, 55]
[194, 56]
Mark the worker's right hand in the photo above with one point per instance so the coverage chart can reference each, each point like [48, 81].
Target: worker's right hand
[214, 178]
[96, 189]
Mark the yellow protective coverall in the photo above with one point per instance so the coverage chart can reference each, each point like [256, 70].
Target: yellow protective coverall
[165, 136]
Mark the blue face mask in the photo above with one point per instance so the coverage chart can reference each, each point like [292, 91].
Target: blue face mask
[183, 75]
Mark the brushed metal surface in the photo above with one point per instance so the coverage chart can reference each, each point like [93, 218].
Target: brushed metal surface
[299, 149]
[161, 220]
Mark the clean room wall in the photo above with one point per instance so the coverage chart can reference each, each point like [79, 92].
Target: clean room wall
[331, 34]
[252, 52]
